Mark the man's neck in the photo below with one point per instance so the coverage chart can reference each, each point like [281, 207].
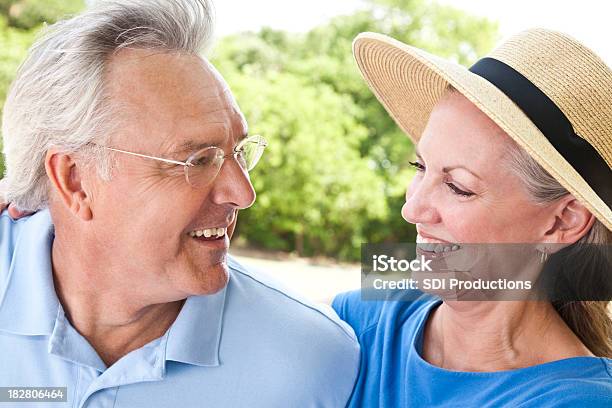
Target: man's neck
[496, 336]
[112, 317]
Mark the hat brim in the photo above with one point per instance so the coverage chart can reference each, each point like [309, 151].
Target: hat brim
[409, 82]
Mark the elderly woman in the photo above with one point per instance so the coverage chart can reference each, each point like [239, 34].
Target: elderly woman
[515, 150]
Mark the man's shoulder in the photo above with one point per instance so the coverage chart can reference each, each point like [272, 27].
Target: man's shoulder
[11, 229]
[25, 272]
[281, 303]
[296, 341]
[10, 232]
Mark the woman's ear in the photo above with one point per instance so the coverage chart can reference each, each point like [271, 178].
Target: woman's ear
[65, 176]
[572, 221]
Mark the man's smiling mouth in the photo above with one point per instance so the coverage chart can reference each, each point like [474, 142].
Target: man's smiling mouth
[209, 234]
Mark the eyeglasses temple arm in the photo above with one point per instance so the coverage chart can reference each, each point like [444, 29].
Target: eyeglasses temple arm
[149, 157]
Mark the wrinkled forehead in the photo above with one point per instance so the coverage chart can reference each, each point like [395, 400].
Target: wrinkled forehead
[173, 95]
[214, 85]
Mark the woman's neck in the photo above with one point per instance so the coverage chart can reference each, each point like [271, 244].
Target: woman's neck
[496, 336]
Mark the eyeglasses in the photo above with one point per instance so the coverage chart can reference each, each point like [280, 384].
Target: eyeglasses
[203, 166]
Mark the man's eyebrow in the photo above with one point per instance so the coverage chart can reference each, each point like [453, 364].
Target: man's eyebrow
[448, 168]
[193, 146]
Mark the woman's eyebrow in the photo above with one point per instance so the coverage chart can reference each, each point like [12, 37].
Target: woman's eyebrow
[448, 168]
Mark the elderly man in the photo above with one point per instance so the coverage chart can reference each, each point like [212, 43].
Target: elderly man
[136, 156]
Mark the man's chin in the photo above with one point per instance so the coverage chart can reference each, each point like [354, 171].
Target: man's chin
[222, 278]
[211, 279]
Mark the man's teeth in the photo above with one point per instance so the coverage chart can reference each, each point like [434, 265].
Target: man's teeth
[208, 232]
[437, 247]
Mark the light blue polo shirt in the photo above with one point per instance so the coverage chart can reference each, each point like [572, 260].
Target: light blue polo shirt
[250, 345]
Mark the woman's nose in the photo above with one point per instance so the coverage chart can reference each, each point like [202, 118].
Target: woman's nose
[419, 207]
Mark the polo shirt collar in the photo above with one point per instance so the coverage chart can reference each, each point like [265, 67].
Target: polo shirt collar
[30, 305]
[195, 335]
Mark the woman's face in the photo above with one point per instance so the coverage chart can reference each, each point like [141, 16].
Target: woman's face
[464, 190]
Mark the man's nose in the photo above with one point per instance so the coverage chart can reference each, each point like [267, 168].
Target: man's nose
[419, 207]
[233, 186]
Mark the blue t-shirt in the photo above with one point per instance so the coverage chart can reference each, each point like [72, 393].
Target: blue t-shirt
[393, 374]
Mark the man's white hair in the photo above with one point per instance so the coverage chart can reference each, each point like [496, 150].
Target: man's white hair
[59, 98]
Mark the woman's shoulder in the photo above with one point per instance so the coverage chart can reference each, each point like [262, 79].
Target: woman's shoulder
[572, 382]
[362, 312]
[591, 384]
[581, 382]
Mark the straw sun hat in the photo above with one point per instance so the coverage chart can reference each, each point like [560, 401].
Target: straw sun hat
[551, 94]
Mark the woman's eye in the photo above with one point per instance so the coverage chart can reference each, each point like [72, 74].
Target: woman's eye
[458, 191]
[418, 166]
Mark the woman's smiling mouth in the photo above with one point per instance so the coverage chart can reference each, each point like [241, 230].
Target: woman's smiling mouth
[434, 245]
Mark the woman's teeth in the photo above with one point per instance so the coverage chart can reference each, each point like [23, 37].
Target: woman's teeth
[437, 247]
[208, 232]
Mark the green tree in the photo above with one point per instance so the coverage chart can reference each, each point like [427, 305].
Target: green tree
[322, 58]
[314, 188]
[20, 21]
[29, 14]
[336, 171]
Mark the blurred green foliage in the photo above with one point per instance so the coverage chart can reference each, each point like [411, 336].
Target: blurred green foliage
[20, 20]
[335, 172]
[29, 14]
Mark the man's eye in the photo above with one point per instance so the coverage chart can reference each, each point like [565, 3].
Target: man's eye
[201, 161]
[418, 166]
[458, 191]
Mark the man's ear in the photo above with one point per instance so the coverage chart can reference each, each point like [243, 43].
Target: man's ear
[572, 221]
[66, 176]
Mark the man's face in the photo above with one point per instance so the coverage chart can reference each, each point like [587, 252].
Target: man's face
[171, 105]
